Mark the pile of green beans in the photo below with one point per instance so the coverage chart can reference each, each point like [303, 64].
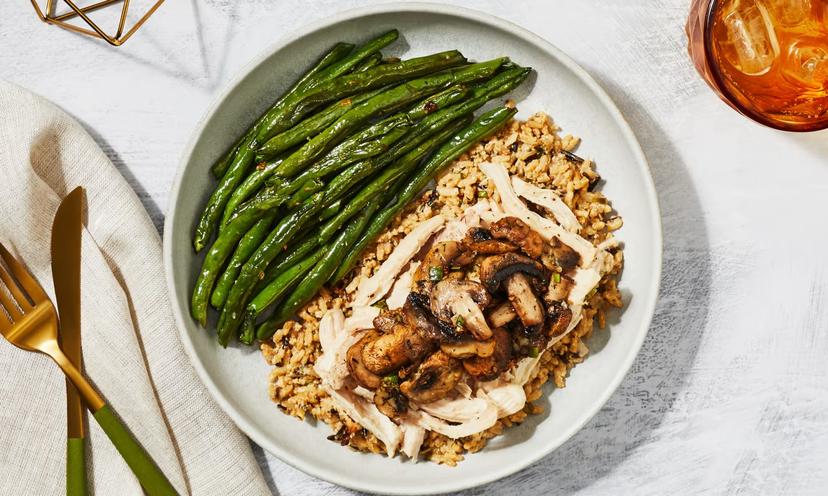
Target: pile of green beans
[317, 178]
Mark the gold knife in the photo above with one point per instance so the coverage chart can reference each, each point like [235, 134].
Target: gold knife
[66, 257]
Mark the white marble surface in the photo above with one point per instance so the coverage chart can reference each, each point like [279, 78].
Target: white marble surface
[730, 392]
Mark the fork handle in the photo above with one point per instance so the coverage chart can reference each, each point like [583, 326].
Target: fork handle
[152, 479]
[149, 475]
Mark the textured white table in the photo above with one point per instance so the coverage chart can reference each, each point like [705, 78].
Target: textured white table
[730, 392]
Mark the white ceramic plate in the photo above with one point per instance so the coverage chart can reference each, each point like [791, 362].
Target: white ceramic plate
[238, 377]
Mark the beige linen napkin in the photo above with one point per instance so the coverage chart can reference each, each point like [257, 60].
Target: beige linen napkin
[131, 348]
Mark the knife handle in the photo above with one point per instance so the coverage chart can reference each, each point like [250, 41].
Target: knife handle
[149, 475]
[75, 467]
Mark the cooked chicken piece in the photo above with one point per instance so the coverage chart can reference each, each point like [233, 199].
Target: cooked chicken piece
[335, 341]
[368, 416]
[361, 318]
[566, 258]
[456, 409]
[413, 437]
[523, 300]
[387, 352]
[516, 231]
[488, 368]
[549, 200]
[434, 378]
[559, 288]
[497, 268]
[361, 375]
[508, 397]
[547, 228]
[469, 348]
[399, 292]
[389, 400]
[584, 281]
[437, 263]
[373, 289]
[502, 315]
[479, 423]
[558, 319]
[459, 302]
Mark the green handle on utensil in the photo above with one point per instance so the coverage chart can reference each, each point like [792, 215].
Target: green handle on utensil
[149, 475]
[75, 467]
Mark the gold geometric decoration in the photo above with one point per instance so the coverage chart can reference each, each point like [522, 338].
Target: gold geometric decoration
[49, 16]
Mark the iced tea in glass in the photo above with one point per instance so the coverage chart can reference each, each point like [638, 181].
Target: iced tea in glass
[766, 58]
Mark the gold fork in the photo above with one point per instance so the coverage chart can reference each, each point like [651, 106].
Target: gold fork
[28, 320]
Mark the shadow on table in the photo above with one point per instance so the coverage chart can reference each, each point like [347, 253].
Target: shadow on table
[166, 55]
[658, 375]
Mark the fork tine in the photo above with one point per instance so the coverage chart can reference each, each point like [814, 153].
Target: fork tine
[8, 305]
[5, 323]
[28, 282]
[18, 295]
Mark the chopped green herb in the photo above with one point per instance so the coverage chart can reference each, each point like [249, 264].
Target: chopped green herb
[482, 193]
[391, 380]
[455, 267]
[534, 352]
[435, 274]
[557, 277]
[382, 304]
[460, 321]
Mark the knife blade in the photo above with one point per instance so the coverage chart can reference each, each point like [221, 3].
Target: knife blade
[66, 258]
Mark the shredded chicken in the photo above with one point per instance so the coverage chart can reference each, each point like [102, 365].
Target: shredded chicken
[549, 200]
[367, 415]
[399, 292]
[373, 289]
[543, 226]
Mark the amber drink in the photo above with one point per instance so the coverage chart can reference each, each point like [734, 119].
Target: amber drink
[766, 58]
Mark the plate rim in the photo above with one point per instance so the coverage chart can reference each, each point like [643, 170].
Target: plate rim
[239, 418]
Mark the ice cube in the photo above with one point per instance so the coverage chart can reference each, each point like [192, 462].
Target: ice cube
[753, 46]
[808, 63]
[789, 13]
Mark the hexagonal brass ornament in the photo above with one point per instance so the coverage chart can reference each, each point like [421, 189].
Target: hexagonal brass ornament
[78, 14]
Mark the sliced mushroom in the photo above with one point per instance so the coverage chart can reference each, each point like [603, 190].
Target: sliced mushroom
[488, 368]
[434, 378]
[565, 256]
[469, 347]
[523, 300]
[388, 352]
[459, 302]
[558, 318]
[497, 268]
[361, 375]
[437, 262]
[502, 315]
[480, 241]
[388, 320]
[516, 231]
[389, 399]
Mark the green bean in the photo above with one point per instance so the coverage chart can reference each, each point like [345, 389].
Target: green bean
[320, 273]
[352, 84]
[336, 53]
[285, 281]
[245, 249]
[373, 60]
[481, 128]
[386, 101]
[254, 268]
[248, 330]
[274, 121]
[387, 178]
[248, 187]
[312, 125]
[367, 166]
